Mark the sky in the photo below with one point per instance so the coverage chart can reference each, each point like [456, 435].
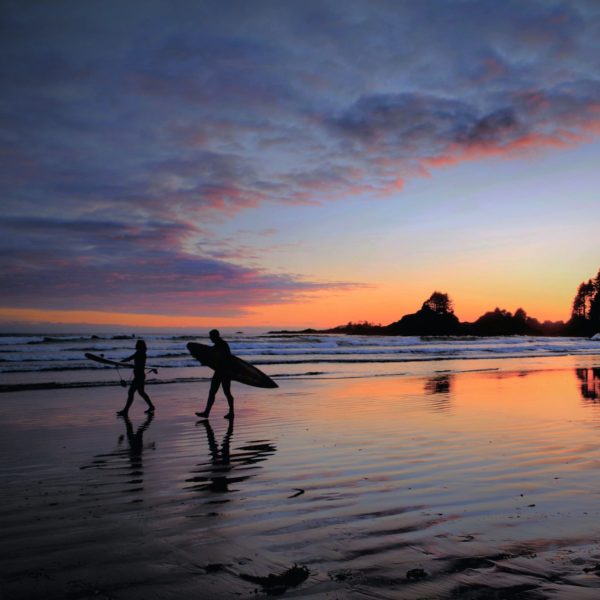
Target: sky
[295, 164]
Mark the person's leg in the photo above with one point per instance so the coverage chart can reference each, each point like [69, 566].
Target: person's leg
[226, 383]
[142, 393]
[214, 386]
[129, 402]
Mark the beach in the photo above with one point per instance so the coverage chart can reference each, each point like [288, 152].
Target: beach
[478, 483]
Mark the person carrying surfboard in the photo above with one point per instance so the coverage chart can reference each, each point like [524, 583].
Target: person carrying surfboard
[139, 378]
[221, 377]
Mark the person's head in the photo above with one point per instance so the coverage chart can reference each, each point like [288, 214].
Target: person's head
[214, 335]
[140, 345]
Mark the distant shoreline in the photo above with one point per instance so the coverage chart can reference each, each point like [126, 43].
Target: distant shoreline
[380, 330]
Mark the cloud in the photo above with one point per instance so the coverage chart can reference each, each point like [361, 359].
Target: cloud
[122, 135]
[208, 110]
[113, 266]
[415, 129]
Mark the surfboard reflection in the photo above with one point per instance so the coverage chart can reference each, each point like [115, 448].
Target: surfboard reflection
[224, 468]
[112, 462]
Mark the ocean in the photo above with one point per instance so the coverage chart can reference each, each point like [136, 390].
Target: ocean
[54, 361]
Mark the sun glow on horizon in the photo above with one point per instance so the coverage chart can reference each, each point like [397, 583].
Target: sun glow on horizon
[382, 304]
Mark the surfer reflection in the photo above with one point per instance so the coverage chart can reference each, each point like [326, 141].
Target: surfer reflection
[589, 380]
[136, 439]
[221, 376]
[139, 378]
[225, 468]
[133, 453]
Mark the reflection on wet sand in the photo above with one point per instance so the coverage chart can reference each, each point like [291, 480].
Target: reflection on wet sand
[439, 386]
[133, 452]
[589, 384]
[224, 468]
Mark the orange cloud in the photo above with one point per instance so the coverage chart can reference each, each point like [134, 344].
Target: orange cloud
[456, 153]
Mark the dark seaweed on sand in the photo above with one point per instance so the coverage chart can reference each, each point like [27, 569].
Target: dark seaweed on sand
[416, 574]
[278, 583]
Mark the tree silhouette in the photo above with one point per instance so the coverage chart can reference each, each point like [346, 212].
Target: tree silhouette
[594, 312]
[439, 303]
[436, 317]
[520, 315]
[583, 300]
[585, 313]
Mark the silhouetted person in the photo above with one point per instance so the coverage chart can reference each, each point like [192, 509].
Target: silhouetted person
[222, 356]
[139, 378]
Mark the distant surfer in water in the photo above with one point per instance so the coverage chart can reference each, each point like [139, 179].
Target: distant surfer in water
[139, 378]
[221, 377]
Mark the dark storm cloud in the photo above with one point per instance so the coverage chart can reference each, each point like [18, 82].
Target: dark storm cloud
[163, 117]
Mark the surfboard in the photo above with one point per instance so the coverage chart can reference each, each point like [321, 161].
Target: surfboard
[107, 361]
[114, 363]
[239, 369]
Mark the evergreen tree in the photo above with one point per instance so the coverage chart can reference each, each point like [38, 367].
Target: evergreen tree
[583, 300]
[585, 314]
[594, 312]
[439, 303]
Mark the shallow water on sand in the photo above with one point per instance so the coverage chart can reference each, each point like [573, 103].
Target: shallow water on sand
[487, 481]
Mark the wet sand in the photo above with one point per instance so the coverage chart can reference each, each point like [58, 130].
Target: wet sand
[480, 485]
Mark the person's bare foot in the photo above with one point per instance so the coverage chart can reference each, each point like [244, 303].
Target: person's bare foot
[150, 411]
[202, 415]
[122, 413]
[229, 415]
